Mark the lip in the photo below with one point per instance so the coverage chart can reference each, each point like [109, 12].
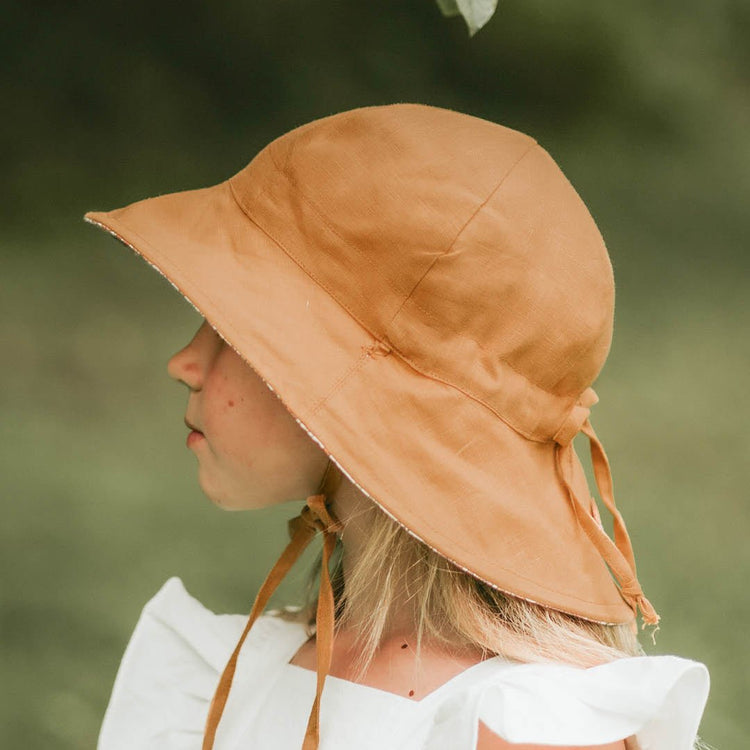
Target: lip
[191, 426]
[194, 437]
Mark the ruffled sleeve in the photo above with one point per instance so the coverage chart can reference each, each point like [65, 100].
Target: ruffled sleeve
[659, 699]
[168, 674]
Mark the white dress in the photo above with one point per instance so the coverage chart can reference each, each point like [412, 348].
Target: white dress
[172, 664]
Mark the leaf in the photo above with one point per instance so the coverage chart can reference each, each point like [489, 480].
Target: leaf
[476, 13]
[448, 7]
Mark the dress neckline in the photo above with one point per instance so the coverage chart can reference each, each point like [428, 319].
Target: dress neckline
[464, 675]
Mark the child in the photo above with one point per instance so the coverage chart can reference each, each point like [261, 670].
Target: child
[404, 309]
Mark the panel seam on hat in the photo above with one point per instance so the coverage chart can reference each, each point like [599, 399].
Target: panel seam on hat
[359, 361]
[464, 227]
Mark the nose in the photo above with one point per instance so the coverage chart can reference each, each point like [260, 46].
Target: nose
[183, 367]
[189, 364]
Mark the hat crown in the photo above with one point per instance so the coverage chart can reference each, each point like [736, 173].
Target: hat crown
[427, 294]
[457, 240]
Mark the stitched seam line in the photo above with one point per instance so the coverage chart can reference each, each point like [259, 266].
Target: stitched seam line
[466, 224]
[325, 221]
[327, 224]
[357, 364]
[312, 276]
[484, 349]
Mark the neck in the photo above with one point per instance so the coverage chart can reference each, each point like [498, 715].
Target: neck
[351, 506]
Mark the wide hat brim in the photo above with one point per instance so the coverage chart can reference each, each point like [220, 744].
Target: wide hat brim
[441, 464]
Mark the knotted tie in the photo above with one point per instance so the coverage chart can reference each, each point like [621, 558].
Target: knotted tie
[618, 554]
[314, 517]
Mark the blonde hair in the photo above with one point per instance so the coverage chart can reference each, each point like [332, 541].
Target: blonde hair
[451, 607]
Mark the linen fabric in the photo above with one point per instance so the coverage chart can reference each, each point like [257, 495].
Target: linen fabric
[427, 284]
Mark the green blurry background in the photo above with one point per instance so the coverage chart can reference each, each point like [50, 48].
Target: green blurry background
[645, 106]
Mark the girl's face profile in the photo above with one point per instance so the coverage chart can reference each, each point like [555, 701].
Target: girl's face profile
[252, 452]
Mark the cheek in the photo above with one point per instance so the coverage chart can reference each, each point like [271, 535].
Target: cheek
[243, 416]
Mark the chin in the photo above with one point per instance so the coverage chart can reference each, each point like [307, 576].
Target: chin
[231, 508]
[220, 501]
[223, 503]
[243, 499]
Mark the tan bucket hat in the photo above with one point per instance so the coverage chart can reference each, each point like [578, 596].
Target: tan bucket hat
[430, 298]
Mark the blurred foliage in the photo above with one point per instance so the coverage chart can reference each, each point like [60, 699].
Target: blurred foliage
[645, 106]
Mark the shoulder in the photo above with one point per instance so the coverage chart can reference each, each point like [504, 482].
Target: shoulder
[488, 740]
[171, 666]
[654, 701]
[181, 631]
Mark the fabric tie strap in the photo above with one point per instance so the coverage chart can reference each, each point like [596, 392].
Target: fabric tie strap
[314, 517]
[618, 554]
